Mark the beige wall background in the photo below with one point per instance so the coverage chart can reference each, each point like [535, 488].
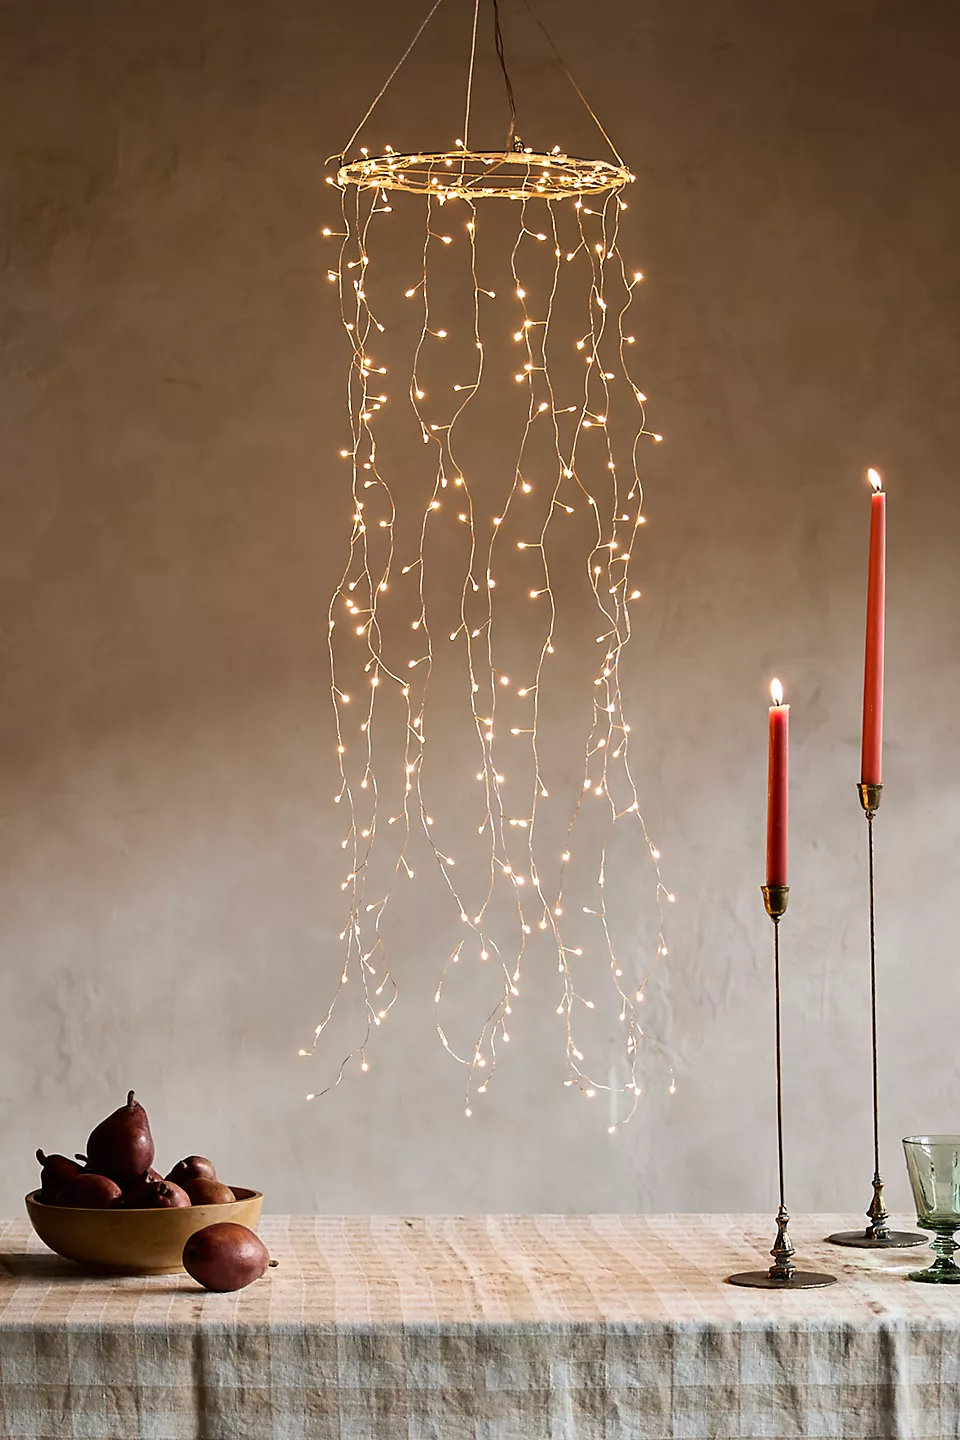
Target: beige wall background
[171, 523]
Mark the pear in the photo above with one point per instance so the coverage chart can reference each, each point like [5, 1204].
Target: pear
[90, 1192]
[156, 1195]
[194, 1167]
[225, 1256]
[150, 1176]
[57, 1170]
[121, 1146]
[208, 1192]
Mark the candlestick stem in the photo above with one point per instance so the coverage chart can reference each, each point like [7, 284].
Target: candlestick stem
[877, 1213]
[782, 1251]
[877, 1235]
[782, 1274]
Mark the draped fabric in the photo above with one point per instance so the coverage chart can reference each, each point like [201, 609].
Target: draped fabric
[537, 1327]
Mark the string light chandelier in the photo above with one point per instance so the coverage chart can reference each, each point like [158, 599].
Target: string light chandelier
[579, 425]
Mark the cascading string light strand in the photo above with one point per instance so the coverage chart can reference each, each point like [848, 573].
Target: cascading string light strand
[614, 615]
[352, 930]
[504, 860]
[471, 627]
[576, 1073]
[501, 857]
[630, 594]
[605, 716]
[627, 594]
[492, 823]
[446, 470]
[532, 335]
[362, 408]
[411, 758]
[374, 586]
[439, 432]
[346, 588]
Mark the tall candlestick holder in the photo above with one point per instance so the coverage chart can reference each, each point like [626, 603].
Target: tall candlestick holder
[877, 1235]
[783, 1274]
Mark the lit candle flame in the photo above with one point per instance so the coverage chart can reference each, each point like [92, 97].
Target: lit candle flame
[776, 692]
[874, 478]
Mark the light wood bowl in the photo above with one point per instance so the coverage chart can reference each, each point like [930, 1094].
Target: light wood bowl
[133, 1242]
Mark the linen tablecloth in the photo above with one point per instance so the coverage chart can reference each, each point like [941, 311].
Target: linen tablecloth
[537, 1327]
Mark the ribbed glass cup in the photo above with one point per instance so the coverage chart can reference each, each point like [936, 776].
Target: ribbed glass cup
[933, 1164]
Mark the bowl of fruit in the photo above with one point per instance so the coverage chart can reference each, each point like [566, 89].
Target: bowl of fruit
[111, 1211]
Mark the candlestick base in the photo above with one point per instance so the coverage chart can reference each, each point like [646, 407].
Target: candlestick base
[870, 796]
[775, 899]
[782, 1275]
[877, 1235]
[863, 1240]
[799, 1280]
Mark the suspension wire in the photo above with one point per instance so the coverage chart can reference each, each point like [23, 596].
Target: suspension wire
[498, 40]
[498, 37]
[549, 39]
[435, 7]
[473, 56]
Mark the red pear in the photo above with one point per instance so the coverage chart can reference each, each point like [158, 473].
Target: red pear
[209, 1192]
[90, 1192]
[225, 1256]
[194, 1167]
[156, 1195]
[150, 1177]
[121, 1146]
[57, 1170]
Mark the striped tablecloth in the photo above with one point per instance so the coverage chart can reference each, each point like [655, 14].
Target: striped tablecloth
[507, 1327]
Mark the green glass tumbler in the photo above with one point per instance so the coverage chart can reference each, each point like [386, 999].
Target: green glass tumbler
[933, 1164]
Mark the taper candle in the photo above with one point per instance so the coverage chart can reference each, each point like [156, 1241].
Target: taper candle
[777, 779]
[872, 736]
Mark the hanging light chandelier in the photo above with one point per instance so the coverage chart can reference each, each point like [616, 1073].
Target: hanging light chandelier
[439, 516]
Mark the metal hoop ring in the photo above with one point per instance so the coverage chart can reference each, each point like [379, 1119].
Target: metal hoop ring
[467, 174]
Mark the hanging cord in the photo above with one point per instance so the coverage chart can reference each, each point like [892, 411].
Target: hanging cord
[498, 40]
[559, 57]
[498, 37]
[389, 79]
[473, 57]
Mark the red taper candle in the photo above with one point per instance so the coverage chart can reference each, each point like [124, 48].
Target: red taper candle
[777, 768]
[871, 764]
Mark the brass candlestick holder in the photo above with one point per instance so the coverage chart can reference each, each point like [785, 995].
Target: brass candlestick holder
[783, 1274]
[877, 1235]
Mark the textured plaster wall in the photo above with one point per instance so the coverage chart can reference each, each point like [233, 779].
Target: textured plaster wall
[171, 520]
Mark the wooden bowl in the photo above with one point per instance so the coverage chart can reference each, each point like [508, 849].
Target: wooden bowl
[133, 1242]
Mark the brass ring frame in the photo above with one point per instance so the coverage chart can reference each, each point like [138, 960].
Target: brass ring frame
[468, 174]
